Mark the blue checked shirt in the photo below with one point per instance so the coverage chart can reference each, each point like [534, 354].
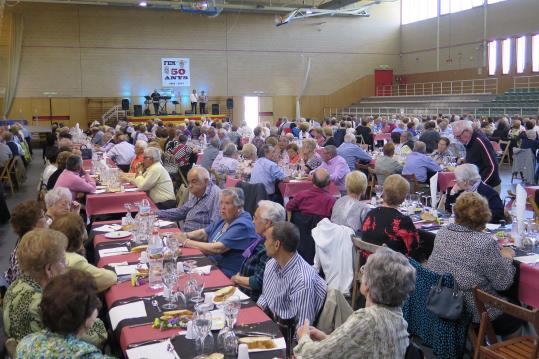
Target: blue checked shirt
[197, 213]
[294, 291]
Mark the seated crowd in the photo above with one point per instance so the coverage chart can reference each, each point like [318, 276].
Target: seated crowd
[52, 305]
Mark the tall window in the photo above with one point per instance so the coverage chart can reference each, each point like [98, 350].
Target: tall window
[417, 10]
[452, 6]
[251, 110]
[521, 54]
[492, 57]
[506, 56]
[535, 53]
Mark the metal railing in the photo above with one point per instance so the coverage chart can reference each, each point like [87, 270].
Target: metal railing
[457, 87]
[113, 112]
[526, 82]
[476, 111]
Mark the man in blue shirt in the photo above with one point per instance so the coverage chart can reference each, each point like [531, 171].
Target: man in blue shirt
[226, 239]
[351, 152]
[266, 170]
[419, 163]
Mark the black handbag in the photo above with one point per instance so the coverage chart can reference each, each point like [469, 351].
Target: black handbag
[85, 152]
[446, 303]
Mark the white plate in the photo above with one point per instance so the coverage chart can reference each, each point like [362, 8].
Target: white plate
[119, 234]
[279, 344]
[238, 292]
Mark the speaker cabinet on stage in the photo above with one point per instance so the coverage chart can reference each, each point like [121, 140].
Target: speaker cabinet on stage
[137, 110]
[229, 104]
[215, 109]
[125, 104]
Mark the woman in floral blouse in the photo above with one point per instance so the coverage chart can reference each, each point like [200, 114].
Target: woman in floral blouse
[69, 308]
[387, 225]
[246, 165]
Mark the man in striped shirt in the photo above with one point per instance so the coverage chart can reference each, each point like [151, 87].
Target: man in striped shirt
[291, 289]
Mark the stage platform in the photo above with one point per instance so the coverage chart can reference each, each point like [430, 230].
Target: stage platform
[176, 119]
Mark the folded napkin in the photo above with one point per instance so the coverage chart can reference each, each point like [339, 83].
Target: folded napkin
[108, 228]
[116, 264]
[202, 270]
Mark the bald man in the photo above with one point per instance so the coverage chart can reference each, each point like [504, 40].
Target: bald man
[315, 201]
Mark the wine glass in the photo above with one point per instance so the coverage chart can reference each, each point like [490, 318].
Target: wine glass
[189, 266]
[174, 247]
[197, 283]
[169, 277]
[378, 189]
[202, 326]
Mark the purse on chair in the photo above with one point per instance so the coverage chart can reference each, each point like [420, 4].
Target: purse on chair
[86, 153]
[446, 303]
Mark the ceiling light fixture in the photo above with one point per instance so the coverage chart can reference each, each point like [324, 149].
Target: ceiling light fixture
[143, 4]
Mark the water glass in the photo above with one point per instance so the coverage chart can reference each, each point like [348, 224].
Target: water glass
[169, 277]
[173, 246]
[202, 325]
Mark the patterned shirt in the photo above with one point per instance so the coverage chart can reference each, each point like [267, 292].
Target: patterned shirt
[313, 162]
[196, 213]
[377, 332]
[177, 156]
[22, 315]
[46, 344]
[294, 291]
[253, 267]
[12, 271]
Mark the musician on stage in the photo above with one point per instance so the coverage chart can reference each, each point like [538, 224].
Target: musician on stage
[155, 100]
[194, 99]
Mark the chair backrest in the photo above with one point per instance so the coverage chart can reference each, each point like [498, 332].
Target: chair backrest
[496, 146]
[182, 194]
[412, 180]
[365, 246]
[484, 300]
[306, 223]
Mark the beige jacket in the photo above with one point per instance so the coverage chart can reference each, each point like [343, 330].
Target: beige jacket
[104, 278]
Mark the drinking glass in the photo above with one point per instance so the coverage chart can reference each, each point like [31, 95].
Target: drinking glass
[173, 245]
[197, 283]
[169, 277]
[202, 326]
[378, 189]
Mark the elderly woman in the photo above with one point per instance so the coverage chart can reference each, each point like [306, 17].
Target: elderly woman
[251, 274]
[293, 153]
[349, 210]
[71, 295]
[177, 157]
[376, 331]
[468, 179]
[257, 140]
[245, 166]
[318, 135]
[386, 224]
[24, 217]
[60, 167]
[155, 180]
[442, 152]
[137, 162]
[41, 255]
[225, 240]
[59, 203]
[72, 226]
[227, 164]
[474, 258]
[71, 178]
[309, 156]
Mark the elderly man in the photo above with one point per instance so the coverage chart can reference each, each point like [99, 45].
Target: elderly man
[292, 291]
[226, 239]
[210, 153]
[351, 152]
[202, 207]
[266, 170]
[315, 201]
[387, 164]
[122, 153]
[251, 274]
[468, 180]
[430, 136]
[335, 165]
[419, 163]
[97, 136]
[479, 151]
[155, 180]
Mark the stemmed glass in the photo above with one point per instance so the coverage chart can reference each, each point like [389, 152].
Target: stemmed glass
[378, 189]
[197, 284]
[174, 247]
[169, 276]
[189, 265]
[202, 326]
[226, 339]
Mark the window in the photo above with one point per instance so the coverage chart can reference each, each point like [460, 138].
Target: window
[417, 10]
[251, 110]
[521, 54]
[494, 1]
[452, 6]
[506, 56]
[492, 57]
[535, 53]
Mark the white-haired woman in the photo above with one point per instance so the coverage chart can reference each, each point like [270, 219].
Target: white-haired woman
[468, 179]
[227, 164]
[155, 180]
[225, 239]
[309, 156]
[249, 154]
[251, 274]
[349, 210]
[137, 162]
[58, 202]
[376, 331]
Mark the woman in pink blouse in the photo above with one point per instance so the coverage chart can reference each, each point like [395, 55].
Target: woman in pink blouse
[74, 179]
